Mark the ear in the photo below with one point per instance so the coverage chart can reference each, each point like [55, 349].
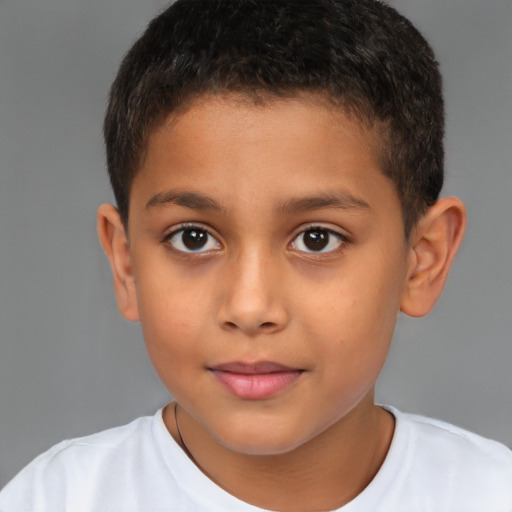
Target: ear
[114, 240]
[433, 245]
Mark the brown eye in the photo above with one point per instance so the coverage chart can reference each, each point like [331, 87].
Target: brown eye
[317, 240]
[193, 239]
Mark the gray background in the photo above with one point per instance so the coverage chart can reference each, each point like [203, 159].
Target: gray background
[69, 365]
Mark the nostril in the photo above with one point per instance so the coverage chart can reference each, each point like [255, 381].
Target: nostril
[265, 326]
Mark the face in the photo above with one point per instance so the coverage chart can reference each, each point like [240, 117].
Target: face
[269, 262]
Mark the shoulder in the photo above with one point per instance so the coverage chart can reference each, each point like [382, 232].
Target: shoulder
[441, 439]
[464, 467]
[74, 461]
[96, 446]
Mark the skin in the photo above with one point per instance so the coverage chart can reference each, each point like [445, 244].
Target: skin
[256, 178]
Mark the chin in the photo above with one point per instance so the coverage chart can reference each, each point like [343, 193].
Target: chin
[260, 442]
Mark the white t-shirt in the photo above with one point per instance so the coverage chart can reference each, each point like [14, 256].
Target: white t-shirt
[431, 466]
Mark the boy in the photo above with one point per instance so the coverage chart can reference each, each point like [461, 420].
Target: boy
[276, 166]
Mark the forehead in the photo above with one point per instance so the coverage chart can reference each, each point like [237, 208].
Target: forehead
[234, 147]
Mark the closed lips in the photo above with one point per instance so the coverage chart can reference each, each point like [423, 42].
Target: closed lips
[255, 381]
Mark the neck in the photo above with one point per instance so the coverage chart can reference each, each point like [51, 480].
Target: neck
[324, 473]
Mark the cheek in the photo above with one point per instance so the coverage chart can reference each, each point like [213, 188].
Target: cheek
[355, 349]
[172, 318]
[173, 348]
[357, 320]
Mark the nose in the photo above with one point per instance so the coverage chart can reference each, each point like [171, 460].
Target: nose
[252, 301]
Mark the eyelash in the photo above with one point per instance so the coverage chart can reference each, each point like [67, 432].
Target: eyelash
[168, 239]
[341, 240]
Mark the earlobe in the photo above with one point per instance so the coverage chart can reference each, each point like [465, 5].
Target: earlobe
[114, 240]
[434, 243]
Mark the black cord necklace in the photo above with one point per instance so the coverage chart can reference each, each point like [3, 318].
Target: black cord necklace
[185, 447]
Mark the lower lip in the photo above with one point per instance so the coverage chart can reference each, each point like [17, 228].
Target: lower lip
[256, 386]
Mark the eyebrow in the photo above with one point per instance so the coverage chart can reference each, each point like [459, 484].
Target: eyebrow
[343, 200]
[187, 199]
